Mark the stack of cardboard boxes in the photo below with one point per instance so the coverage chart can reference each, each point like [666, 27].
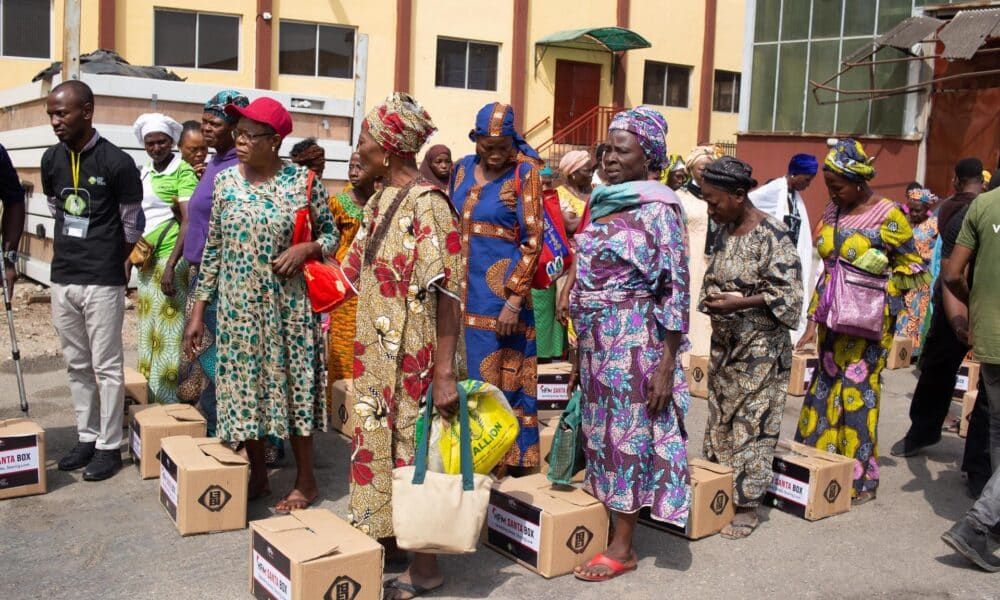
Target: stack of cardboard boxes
[151, 423]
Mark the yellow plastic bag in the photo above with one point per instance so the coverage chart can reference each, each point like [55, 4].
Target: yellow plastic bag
[493, 425]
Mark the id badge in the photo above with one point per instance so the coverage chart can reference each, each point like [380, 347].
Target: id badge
[75, 227]
[794, 224]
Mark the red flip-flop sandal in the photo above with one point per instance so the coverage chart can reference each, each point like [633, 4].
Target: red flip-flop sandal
[617, 568]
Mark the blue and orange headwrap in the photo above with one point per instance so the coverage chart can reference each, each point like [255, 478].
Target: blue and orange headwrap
[802, 164]
[497, 120]
[216, 105]
[922, 195]
[649, 127]
[847, 158]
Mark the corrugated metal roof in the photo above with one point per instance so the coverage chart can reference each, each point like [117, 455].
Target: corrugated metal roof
[909, 31]
[966, 33]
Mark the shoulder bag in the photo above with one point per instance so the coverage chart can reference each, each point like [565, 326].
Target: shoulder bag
[853, 302]
[326, 285]
[567, 457]
[437, 513]
[144, 254]
[556, 256]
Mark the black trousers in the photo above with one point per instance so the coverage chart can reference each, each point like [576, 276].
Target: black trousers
[976, 461]
[940, 358]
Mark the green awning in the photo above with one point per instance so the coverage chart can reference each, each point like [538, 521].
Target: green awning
[608, 39]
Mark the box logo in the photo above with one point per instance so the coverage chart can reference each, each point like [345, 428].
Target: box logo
[342, 413]
[832, 491]
[579, 539]
[214, 498]
[719, 502]
[343, 588]
[697, 374]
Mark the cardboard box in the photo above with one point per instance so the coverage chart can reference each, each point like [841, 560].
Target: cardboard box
[549, 529]
[342, 416]
[136, 392]
[203, 484]
[900, 353]
[697, 375]
[553, 389]
[809, 482]
[967, 379]
[968, 404]
[711, 502]
[804, 365]
[150, 425]
[545, 437]
[313, 554]
[22, 458]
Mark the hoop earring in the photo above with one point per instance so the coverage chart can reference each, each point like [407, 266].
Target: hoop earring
[385, 161]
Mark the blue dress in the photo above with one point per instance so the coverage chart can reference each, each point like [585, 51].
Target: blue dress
[501, 243]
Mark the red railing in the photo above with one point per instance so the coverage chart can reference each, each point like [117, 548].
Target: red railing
[588, 129]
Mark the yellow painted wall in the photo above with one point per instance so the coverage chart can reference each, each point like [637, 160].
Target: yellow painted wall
[729, 28]
[19, 71]
[454, 110]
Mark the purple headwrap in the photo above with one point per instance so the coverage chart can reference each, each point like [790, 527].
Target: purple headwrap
[651, 129]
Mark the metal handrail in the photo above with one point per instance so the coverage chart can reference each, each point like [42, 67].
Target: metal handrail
[537, 125]
[586, 121]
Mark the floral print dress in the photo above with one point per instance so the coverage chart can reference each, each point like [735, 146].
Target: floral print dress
[398, 280]
[840, 411]
[916, 304]
[631, 288]
[269, 373]
[340, 354]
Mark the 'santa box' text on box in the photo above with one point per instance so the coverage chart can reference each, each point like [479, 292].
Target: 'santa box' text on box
[809, 482]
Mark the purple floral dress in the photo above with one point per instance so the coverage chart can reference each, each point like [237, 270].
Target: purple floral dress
[631, 288]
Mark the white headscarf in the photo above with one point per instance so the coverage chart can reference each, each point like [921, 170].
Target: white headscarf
[156, 123]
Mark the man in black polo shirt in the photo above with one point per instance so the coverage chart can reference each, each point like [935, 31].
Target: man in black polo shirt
[95, 195]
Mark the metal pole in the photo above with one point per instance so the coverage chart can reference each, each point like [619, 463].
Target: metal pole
[360, 86]
[71, 40]
[15, 354]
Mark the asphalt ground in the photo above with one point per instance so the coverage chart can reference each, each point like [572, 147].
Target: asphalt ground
[112, 539]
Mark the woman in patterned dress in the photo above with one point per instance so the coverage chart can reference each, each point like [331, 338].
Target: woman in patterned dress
[167, 184]
[916, 304]
[269, 379]
[630, 306]
[405, 265]
[498, 192]
[753, 294]
[840, 411]
[347, 208]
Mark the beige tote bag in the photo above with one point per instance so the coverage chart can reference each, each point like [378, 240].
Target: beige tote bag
[438, 513]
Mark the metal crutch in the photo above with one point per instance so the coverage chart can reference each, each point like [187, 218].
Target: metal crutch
[14, 352]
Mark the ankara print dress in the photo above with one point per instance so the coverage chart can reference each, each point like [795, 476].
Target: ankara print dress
[631, 288]
[269, 377]
[340, 347]
[501, 243]
[398, 277]
[751, 356]
[840, 411]
[916, 303]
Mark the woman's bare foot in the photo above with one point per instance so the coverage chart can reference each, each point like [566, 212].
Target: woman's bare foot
[296, 500]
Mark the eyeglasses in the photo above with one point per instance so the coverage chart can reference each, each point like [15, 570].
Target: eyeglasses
[237, 134]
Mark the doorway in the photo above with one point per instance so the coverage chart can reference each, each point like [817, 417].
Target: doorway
[578, 89]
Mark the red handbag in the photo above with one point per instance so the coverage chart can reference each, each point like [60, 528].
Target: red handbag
[556, 257]
[326, 285]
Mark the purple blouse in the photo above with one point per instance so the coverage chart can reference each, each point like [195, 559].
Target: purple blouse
[200, 206]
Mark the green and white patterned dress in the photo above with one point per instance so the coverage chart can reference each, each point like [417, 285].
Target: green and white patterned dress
[270, 378]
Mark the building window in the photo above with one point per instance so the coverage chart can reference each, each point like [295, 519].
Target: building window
[315, 50]
[666, 85]
[796, 41]
[25, 28]
[726, 93]
[196, 40]
[467, 65]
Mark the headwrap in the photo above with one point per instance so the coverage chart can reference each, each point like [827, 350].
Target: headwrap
[802, 164]
[400, 125]
[675, 162]
[649, 127]
[987, 176]
[729, 174]
[497, 120]
[217, 104]
[572, 161]
[922, 195]
[546, 171]
[156, 123]
[847, 158]
[426, 170]
[699, 152]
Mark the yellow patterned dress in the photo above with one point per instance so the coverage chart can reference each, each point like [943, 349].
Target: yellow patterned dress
[407, 252]
[340, 355]
[840, 412]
